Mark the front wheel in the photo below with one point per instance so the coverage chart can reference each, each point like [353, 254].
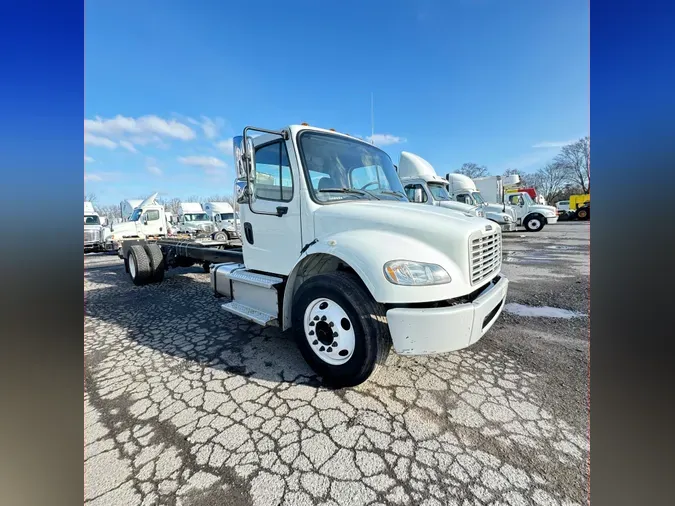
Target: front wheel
[220, 237]
[582, 214]
[340, 330]
[534, 223]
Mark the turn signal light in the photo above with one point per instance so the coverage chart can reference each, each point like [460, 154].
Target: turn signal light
[304, 124]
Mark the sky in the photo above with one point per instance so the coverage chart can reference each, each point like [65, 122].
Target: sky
[168, 83]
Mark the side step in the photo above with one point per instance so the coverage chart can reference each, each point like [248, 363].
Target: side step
[254, 278]
[251, 314]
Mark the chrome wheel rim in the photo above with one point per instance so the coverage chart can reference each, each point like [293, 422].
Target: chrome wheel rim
[329, 331]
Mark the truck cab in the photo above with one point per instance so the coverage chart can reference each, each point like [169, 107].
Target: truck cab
[94, 229]
[423, 186]
[148, 219]
[334, 250]
[463, 189]
[534, 217]
[223, 217]
[193, 220]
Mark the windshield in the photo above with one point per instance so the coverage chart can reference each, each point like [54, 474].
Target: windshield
[91, 220]
[196, 217]
[136, 214]
[527, 198]
[439, 191]
[340, 168]
[478, 198]
[226, 216]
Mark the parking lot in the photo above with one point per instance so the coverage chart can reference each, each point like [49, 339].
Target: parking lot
[188, 405]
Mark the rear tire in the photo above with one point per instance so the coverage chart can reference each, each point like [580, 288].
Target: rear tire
[534, 223]
[156, 257]
[583, 214]
[365, 341]
[139, 265]
[220, 236]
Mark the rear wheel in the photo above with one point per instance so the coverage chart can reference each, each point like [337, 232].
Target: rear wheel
[340, 330]
[139, 265]
[582, 214]
[156, 257]
[534, 223]
[220, 236]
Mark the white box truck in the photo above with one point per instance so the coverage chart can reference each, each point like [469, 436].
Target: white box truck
[223, 217]
[534, 217]
[333, 250]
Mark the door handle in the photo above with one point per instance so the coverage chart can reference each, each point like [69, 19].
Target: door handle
[281, 210]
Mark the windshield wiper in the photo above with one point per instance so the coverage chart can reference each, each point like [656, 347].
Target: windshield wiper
[353, 191]
[392, 192]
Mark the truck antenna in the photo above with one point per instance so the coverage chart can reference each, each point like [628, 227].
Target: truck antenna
[372, 120]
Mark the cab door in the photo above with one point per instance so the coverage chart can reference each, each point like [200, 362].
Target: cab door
[153, 222]
[271, 229]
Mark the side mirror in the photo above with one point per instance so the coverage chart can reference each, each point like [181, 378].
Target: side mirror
[417, 195]
[240, 192]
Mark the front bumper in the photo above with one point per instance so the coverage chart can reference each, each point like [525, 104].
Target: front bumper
[508, 227]
[425, 331]
[552, 221]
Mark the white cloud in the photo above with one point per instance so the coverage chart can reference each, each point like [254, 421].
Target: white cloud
[128, 146]
[225, 146]
[385, 139]
[552, 144]
[145, 126]
[101, 176]
[202, 161]
[153, 169]
[95, 140]
[88, 159]
[210, 127]
[92, 177]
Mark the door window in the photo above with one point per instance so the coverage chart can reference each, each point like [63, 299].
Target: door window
[152, 215]
[273, 179]
[465, 198]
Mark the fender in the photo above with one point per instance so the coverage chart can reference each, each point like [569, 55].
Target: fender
[366, 252]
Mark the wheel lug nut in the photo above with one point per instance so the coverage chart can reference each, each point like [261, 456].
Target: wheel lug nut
[322, 349]
[315, 342]
[334, 344]
[323, 318]
[331, 324]
[311, 324]
[316, 318]
[311, 332]
[329, 349]
[335, 334]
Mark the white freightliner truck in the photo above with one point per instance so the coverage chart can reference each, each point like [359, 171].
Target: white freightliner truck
[193, 220]
[333, 250]
[95, 230]
[222, 215]
[147, 219]
[463, 189]
[423, 186]
[533, 217]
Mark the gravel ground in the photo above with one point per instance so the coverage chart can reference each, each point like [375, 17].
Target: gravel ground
[188, 405]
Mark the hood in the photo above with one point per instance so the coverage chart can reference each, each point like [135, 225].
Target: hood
[119, 230]
[440, 224]
[500, 209]
[542, 208]
[92, 227]
[457, 206]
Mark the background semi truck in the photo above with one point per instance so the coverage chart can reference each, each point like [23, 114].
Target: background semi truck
[193, 220]
[333, 250]
[127, 208]
[423, 186]
[148, 219]
[95, 231]
[534, 217]
[222, 216]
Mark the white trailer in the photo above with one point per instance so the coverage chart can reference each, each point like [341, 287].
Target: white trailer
[223, 217]
[534, 217]
[333, 250]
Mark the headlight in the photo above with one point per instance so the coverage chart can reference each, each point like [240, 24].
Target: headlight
[404, 272]
[507, 218]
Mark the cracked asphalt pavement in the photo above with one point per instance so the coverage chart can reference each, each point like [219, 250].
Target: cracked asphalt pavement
[185, 404]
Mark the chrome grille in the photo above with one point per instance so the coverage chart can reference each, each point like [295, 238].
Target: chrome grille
[485, 257]
[91, 235]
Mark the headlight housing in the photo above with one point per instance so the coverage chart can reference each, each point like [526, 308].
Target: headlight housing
[408, 273]
[507, 218]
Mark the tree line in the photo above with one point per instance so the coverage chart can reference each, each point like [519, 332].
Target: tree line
[569, 173]
[171, 205]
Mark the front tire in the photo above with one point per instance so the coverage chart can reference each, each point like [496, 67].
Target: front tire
[582, 214]
[220, 236]
[341, 331]
[534, 223]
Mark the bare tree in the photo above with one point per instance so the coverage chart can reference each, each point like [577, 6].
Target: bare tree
[110, 211]
[524, 178]
[172, 205]
[90, 197]
[550, 181]
[576, 159]
[473, 170]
